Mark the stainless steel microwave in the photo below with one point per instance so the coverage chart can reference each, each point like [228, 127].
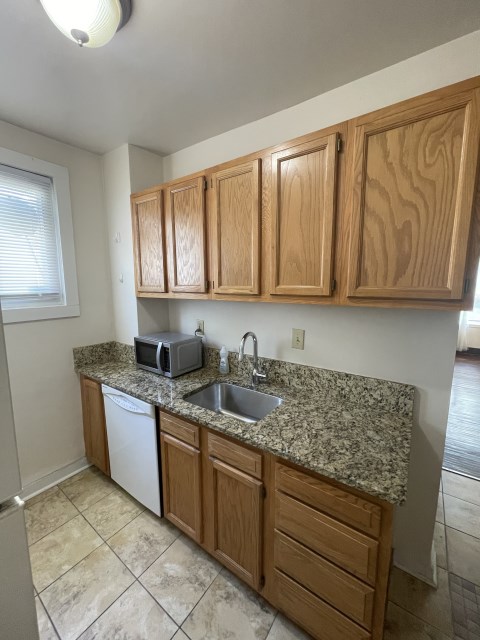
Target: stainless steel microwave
[168, 354]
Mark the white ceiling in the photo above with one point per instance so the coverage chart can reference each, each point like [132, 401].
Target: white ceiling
[182, 71]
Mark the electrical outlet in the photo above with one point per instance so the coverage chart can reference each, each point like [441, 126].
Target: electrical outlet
[298, 338]
[200, 327]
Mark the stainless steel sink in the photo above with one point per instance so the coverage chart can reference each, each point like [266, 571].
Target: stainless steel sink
[236, 402]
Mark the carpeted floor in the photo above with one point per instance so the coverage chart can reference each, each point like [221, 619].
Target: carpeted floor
[462, 446]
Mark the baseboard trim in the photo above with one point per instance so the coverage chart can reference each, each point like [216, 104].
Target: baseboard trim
[53, 478]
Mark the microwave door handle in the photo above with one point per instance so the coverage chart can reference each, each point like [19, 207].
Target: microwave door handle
[160, 350]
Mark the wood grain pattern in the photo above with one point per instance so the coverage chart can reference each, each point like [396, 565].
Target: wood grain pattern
[234, 454]
[413, 184]
[303, 218]
[186, 225]
[236, 229]
[94, 425]
[149, 243]
[182, 492]
[340, 544]
[321, 620]
[341, 504]
[325, 580]
[237, 509]
[178, 428]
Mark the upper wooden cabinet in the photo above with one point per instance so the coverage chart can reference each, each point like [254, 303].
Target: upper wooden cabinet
[387, 219]
[412, 187]
[303, 217]
[185, 218]
[236, 229]
[94, 427]
[149, 243]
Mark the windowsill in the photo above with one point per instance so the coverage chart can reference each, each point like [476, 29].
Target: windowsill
[11, 316]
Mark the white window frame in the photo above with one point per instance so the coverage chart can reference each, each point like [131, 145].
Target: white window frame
[474, 321]
[61, 200]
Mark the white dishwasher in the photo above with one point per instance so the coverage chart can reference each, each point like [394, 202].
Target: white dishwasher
[133, 446]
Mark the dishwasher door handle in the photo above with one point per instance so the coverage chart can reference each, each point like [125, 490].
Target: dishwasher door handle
[122, 402]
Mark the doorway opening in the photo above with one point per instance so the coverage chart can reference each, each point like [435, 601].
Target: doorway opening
[462, 445]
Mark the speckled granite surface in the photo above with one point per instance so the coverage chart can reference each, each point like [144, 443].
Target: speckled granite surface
[353, 429]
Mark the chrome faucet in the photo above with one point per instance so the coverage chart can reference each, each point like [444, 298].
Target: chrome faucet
[257, 375]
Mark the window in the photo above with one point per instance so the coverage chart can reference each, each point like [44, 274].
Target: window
[37, 261]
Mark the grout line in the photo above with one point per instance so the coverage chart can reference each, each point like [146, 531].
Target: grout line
[48, 616]
[273, 622]
[447, 526]
[158, 603]
[450, 495]
[199, 600]
[421, 619]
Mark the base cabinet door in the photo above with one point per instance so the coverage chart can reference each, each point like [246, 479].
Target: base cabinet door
[94, 427]
[237, 513]
[181, 476]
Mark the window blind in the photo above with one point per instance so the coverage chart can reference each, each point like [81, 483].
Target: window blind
[30, 256]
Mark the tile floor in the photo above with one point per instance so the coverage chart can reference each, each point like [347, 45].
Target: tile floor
[105, 568]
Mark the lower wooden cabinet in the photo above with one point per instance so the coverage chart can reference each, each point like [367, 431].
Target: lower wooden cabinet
[237, 502]
[94, 427]
[318, 551]
[182, 495]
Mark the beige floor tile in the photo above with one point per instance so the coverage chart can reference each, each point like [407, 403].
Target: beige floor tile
[230, 611]
[112, 513]
[440, 517]
[401, 625]
[463, 555]
[41, 496]
[461, 487]
[462, 515]
[284, 629]
[142, 541]
[134, 616]
[427, 603]
[87, 487]
[80, 596]
[440, 545]
[180, 636]
[60, 550]
[45, 627]
[46, 513]
[180, 577]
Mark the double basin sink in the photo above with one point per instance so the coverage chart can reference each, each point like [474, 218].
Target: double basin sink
[235, 402]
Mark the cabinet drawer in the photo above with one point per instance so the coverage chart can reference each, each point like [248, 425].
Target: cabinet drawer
[341, 590]
[189, 433]
[321, 620]
[236, 455]
[345, 547]
[341, 504]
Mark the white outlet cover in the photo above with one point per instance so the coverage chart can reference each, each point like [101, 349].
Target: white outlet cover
[298, 338]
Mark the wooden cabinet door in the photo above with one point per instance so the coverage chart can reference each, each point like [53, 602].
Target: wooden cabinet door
[182, 494]
[236, 230]
[186, 251]
[149, 243]
[94, 427]
[303, 218]
[412, 183]
[237, 515]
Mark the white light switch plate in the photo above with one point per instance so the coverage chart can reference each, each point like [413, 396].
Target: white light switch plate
[200, 327]
[298, 338]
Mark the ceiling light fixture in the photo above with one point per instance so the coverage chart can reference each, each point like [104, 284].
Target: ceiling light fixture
[89, 23]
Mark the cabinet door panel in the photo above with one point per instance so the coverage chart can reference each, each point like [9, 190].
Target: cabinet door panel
[94, 427]
[237, 509]
[149, 243]
[413, 183]
[182, 497]
[186, 236]
[236, 230]
[303, 216]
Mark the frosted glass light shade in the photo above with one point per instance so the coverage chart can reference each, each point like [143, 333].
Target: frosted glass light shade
[91, 23]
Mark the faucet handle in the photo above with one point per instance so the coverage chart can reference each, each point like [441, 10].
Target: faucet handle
[258, 376]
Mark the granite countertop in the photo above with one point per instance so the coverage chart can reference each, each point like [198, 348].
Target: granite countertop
[362, 441]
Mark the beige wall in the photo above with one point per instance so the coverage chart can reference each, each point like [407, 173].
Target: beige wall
[409, 346]
[45, 390]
